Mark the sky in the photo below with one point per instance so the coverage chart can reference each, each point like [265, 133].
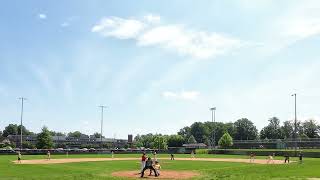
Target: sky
[157, 65]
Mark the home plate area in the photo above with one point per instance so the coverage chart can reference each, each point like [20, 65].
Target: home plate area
[166, 174]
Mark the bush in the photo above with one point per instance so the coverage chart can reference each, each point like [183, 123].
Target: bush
[28, 145]
[226, 140]
[202, 151]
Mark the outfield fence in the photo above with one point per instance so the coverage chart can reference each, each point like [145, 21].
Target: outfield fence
[302, 143]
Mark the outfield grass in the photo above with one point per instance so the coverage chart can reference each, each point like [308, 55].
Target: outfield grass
[310, 168]
[282, 150]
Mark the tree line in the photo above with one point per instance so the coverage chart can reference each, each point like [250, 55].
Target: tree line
[242, 129]
[198, 132]
[14, 129]
[44, 138]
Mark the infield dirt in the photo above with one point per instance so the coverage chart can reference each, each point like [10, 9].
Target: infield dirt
[74, 160]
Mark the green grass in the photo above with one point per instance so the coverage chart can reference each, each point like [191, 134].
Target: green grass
[282, 150]
[310, 168]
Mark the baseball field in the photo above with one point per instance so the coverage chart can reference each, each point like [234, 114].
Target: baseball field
[126, 166]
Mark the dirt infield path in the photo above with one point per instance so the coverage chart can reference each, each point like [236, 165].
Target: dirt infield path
[73, 160]
[256, 161]
[164, 174]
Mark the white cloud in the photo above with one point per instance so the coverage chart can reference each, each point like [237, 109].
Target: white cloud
[42, 16]
[3, 91]
[302, 27]
[65, 24]
[173, 37]
[118, 27]
[42, 76]
[271, 95]
[68, 89]
[152, 18]
[197, 44]
[169, 94]
[255, 5]
[85, 123]
[184, 95]
[190, 95]
[299, 21]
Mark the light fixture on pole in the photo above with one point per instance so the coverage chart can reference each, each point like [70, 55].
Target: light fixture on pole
[213, 118]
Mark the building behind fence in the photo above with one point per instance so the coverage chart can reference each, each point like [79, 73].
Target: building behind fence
[71, 142]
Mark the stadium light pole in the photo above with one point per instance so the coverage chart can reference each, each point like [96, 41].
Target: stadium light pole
[21, 118]
[213, 118]
[295, 123]
[102, 108]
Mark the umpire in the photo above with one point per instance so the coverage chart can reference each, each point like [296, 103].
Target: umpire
[149, 166]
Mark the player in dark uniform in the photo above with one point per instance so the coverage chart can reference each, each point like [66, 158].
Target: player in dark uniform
[172, 156]
[252, 156]
[19, 157]
[300, 157]
[149, 165]
[287, 158]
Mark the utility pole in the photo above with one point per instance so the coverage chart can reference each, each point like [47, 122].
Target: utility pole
[102, 108]
[213, 118]
[295, 123]
[21, 118]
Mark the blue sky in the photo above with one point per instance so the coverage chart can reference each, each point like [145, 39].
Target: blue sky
[158, 66]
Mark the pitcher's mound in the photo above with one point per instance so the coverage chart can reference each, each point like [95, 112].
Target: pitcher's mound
[163, 174]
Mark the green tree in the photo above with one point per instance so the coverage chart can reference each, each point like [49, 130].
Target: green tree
[77, 134]
[311, 128]
[61, 145]
[25, 131]
[14, 129]
[185, 133]
[151, 141]
[175, 141]
[11, 129]
[218, 128]
[300, 129]
[144, 140]
[244, 129]
[97, 135]
[303, 136]
[44, 139]
[226, 140]
[200, 132]
[160, 142]
[272, 130]
[287, 129]
[28, 145]
[215, 128]
[192, 140]
[54, 133]
[229, 127]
